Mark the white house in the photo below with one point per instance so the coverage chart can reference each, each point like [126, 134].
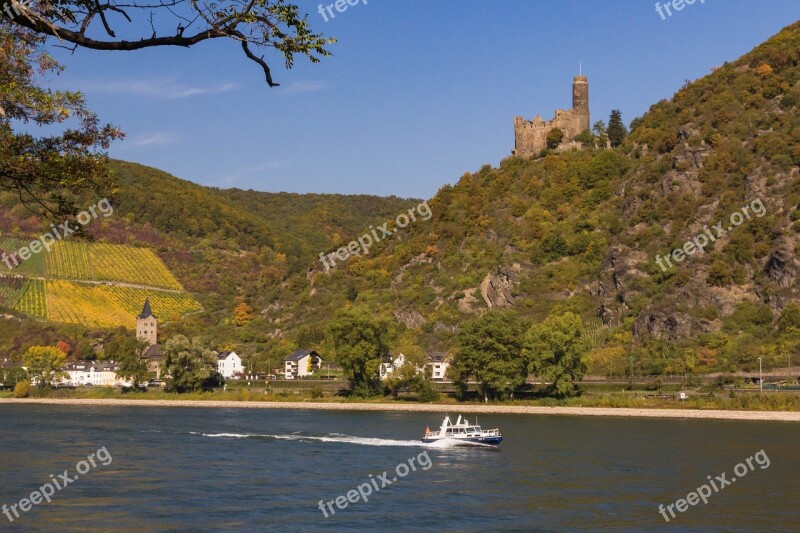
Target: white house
[229, 364]
[439, 363]
[386, 369]
[301, 363]
[99, 374]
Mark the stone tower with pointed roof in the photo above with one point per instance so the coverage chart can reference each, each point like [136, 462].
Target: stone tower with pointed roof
[147, 325]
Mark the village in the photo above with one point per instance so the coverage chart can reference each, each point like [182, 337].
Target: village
[305, 363]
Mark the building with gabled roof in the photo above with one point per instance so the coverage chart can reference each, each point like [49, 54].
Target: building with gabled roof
[229, 364]
[301, 363]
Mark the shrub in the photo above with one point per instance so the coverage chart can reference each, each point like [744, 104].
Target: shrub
[22, 389]
[427, 393]
[316, 392]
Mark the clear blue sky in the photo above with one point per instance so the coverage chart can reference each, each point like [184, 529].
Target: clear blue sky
[417, 91]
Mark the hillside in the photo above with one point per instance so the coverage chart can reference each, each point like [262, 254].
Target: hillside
[91, 284]
[582, 230]
[186, 246]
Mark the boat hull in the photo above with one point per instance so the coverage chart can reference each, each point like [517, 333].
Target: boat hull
[493, 440]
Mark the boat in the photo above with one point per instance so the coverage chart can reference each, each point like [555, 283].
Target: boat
[463, 431]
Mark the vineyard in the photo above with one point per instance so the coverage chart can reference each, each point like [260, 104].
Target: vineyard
[109, 306]
[115, 262]
[34, 266]
[69, 260]
[11, 289]
[79, 261]
[32, 301]
[93, 284]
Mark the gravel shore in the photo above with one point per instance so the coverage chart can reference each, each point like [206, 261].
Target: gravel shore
[782, 416]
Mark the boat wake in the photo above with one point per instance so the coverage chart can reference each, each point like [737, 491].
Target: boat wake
[344, 439]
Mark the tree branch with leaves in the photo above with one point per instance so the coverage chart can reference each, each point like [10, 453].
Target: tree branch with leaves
[257, 25]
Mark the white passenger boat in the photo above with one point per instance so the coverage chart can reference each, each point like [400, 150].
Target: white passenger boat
[462, 430]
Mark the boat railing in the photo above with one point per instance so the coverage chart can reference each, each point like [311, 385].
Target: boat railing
[493, 432]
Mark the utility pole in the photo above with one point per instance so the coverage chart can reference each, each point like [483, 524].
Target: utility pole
[760, 377]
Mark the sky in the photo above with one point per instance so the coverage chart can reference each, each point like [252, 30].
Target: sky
[417, 92]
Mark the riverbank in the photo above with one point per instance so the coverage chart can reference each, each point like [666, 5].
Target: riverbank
[781, 416]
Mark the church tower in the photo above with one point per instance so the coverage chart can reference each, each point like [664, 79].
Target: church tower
[580, 101]
[147, 325]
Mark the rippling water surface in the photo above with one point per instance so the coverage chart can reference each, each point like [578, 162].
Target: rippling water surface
[267, 470]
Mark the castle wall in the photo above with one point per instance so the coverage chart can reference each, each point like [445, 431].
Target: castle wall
[530, 136]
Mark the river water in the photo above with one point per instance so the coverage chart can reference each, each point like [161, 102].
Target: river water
[179, 469]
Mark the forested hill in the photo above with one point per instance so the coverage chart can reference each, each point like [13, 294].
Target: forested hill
[579, 231]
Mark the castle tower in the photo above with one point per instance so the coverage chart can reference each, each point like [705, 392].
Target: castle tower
[147, 325]
[580, 101]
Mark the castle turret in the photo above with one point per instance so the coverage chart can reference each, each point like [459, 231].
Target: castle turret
[580, 101]
[147, 325]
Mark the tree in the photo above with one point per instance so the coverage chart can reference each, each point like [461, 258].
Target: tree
[243, 314]
[586, 139]
[127, 352]
[85, 349]
[15, 375]
[47, 174]
[554, 138]
[189, 365]
[64, 347]
[490, 351]
[616, 128]
[556, 350]
[599, 130]
[790, 318]
[44, 363]
[360, 341]
[410, 375]
[256, 25]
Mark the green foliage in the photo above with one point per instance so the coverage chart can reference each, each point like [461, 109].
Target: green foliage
[47, 174]
[555, 351]
[15, 375]
[189, 365]
[586, 139]
[616, 129]
[254, 26]
[600, 133]
[790, 318]
[749, 317]
[127, 351]
[411, 376]
[360, 341]
[554, 138]
[44, 364]
[490, 352]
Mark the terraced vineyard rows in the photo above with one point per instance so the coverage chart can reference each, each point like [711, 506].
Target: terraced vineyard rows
[166, 305]
[11, 288]
[33, 266]
[111, 306]
[32, 301]
[69, 260]
[141, 266]
[53, 285]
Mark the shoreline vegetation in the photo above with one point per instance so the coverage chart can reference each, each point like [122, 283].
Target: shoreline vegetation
[687, 412]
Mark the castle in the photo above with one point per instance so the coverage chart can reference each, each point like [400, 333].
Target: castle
[530, 136]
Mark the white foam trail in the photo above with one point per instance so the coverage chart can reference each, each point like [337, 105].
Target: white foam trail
[345, 439]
